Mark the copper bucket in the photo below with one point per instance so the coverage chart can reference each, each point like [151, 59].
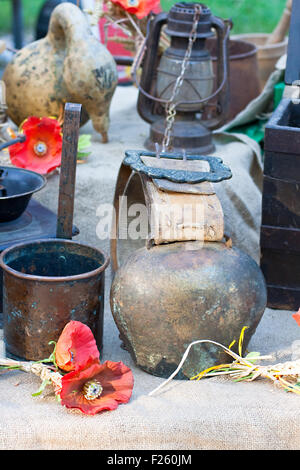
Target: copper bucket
[267, 54]
[47, 283]
[243, 71]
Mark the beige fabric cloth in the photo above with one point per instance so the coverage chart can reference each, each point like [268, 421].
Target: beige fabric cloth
[211, 414]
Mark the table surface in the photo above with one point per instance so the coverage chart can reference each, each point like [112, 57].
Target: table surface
[213, 413]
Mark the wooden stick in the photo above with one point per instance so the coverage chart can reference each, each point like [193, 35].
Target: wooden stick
[68, 170]
[282, 27]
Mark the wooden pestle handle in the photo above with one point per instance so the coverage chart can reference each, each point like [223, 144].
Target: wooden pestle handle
[282, 27]
[68, 170]
[2, 46]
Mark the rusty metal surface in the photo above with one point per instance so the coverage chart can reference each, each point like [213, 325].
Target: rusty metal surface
[46, 284]
[217, 172]
[244, 84]
[165, 297]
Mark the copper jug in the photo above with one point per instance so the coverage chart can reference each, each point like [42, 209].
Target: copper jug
[169, 291]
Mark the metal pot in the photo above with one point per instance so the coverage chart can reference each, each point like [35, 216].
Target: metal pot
[16, 188]
[267, 54]
[165, 297]
[244, 80]
[47, 283]
[176, 290]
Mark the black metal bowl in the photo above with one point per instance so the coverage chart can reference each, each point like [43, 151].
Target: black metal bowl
[17, 185]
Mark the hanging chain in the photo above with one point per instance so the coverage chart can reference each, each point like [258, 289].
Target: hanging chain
[171, 106]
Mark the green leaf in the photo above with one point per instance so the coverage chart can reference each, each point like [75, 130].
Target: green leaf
[9, 367]
[51, 358]
[224, 369]
[82, 155]
[42, 388]
[84, 141]
[249, 376]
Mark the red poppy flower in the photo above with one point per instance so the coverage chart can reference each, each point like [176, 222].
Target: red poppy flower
[76, 347]
[140, 8]
[97, 388]
[296, 317]
[41, 151]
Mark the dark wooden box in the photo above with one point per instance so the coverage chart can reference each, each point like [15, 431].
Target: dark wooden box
[280, 228]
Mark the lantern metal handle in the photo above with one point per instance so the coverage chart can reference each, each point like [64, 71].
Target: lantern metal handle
[151, 43]
[223, 29]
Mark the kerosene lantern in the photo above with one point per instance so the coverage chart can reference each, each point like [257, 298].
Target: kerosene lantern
[177, 87]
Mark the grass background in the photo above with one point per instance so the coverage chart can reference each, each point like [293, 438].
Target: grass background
[31, 10]
[247, 15]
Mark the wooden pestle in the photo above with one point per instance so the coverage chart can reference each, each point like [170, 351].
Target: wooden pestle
[2, 46]
[65, 210]
[282, 27]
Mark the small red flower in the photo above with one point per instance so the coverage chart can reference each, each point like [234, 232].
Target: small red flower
[97, 388]
[41, 151]
[76, 347]
[296, 317]
[140, 8]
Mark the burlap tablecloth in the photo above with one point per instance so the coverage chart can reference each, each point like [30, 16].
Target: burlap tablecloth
[214, 413]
